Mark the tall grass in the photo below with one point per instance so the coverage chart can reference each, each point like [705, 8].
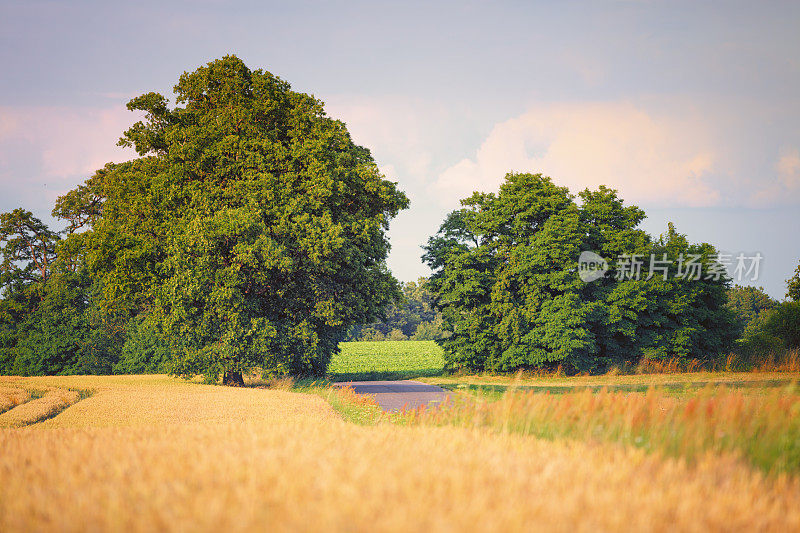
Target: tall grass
[356, 408]
[762, 427]
[788, 361]
[150, 453]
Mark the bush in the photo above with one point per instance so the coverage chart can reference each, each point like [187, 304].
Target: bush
[62, 334]
[772, 334]
[784, 322]
[748, 303]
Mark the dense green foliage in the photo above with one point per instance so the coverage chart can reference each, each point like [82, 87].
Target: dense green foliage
[144, 351]
[772, 333]
[46, 323]
[507, 282]
[784, 323]
[793, 292]
[773, 328]
[249, 233]
[752, 307]
[748, 303]
[386, 360]
[414, 317]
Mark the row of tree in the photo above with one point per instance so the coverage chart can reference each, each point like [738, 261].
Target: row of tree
[251, 233]
[507, 280]
[764, 325]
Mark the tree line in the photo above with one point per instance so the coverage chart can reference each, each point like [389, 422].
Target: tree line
[250, 232]
[767, 328]
[507, 277]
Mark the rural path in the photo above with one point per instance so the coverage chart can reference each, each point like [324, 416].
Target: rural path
[394, 395]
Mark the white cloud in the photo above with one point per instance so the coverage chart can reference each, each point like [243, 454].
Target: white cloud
[788, 167]
[69, 141]
[8, 124]
[786, 182]
[46, 151]
[66, 141]
[414, 138]
[653, 160]
[401, 132]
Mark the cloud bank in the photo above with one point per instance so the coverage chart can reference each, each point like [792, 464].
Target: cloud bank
[46, 151]
[654, 159]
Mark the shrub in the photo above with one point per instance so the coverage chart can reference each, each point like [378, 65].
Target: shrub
[772, 334]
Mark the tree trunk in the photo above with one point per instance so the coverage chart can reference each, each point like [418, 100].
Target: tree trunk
[234, 379]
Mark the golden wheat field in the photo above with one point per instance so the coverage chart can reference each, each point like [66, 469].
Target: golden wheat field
[151, 453]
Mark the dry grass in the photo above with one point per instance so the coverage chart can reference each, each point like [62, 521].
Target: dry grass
[787, 362]
[762, 425]
[614, 379]
[668, 366]
[151, 453]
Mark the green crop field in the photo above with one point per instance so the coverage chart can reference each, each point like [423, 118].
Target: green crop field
[386, 360]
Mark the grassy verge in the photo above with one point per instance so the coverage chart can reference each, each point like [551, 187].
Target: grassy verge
[763, 428]
[355, 408]
[753, 415]
[495, 391]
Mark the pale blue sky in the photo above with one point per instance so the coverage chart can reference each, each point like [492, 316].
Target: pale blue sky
[690, 109]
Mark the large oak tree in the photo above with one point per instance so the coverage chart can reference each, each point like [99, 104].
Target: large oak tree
[251, 230]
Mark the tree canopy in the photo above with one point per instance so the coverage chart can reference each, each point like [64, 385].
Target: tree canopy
[507, 281]
[749, 302]
[250, 231]
[793, 286]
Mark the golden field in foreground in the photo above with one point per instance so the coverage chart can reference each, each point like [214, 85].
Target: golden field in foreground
[150, 453]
